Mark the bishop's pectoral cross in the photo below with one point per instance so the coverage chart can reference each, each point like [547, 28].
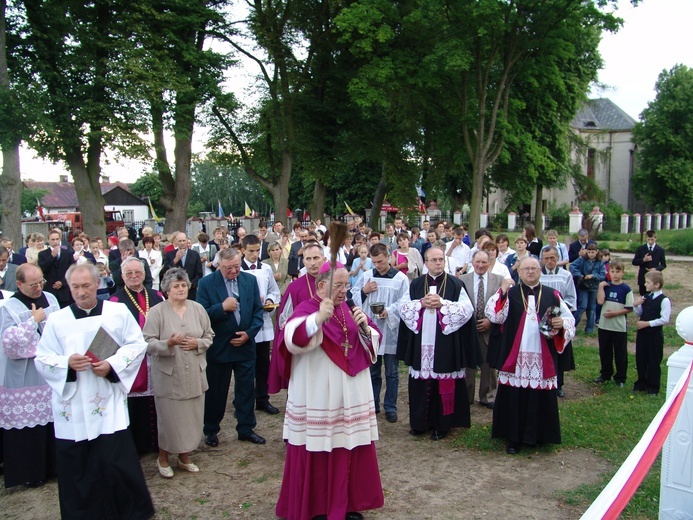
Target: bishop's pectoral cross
[346, 346]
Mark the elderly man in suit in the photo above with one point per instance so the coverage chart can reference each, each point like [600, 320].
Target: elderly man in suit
[296, 253]
[187, 259]
[8, 272]
[15, 258]
[481, 284]
[54, 262]
[232, 300]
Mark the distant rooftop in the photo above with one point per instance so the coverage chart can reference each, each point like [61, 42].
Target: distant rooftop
[602, 114]
[63, 194]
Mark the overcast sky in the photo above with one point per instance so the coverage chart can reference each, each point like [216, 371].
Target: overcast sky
[655, 36]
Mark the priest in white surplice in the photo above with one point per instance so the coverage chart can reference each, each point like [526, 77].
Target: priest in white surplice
[383, 284]
[99, 473]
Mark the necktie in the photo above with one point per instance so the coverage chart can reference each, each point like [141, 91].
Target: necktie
[480, 299]
[233, 292]
[252, 266]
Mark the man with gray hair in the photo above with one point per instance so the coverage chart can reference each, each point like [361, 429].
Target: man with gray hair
[90, 354]
[232, 300]
[126, 249]
[577, 248]
[139, 300]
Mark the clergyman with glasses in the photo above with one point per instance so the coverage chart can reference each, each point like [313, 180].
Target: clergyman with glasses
[438, 341]
[331, 468]
[537, 324]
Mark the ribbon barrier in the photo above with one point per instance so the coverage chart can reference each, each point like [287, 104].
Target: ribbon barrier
[618, 492]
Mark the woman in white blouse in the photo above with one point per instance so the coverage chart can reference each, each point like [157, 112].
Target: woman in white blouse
[153, 258]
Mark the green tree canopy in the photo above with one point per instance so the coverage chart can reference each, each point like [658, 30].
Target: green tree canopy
[664, 136]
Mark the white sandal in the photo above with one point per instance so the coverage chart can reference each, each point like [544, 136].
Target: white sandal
[166, 472]
[191, 467]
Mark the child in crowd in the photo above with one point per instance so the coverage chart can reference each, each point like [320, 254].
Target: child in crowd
[589, 272]
[361, 264]
[616, 300]
[552, 238]
[653, 311]
[106, 283]
[606, 258]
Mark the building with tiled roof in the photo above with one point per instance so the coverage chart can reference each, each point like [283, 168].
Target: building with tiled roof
[61, 197]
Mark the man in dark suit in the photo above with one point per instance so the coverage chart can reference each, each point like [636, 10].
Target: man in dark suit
[54, 262]
[390, 239]
[8, 273]
[232, 300]
[577, 248]
[14, 258]
[296, 253]
[650, 257]
[187, 259]
[481, 285]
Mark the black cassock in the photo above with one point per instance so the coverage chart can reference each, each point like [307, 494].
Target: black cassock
[524, 415]
[453, 352]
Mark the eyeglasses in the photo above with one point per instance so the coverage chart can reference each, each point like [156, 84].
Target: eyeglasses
[530, 269]
[341, 286]
[131, 274]
[37, 285]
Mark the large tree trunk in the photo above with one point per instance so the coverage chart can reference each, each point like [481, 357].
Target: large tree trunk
[317, 206]
[88, 188]
[538, 210]
[378, 198]
[177, 213]
[11, 194]
[10, 182]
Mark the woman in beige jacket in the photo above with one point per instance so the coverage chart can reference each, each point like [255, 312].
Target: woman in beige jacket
[178, 333]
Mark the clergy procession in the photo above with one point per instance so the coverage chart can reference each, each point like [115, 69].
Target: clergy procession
[114, 358]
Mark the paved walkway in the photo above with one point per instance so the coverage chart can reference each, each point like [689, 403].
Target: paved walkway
[628, 257]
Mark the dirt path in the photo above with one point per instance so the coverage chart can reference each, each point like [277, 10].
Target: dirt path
[422, 479]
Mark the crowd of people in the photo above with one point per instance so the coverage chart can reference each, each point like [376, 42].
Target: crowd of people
[165, 322]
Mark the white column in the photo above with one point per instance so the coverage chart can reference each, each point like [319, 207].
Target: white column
[676, 488]
[657, 221]
[457, 218]
[666, 220]
[683, 220]
[624, 223]
[512, 221]
[675, 221]
[543, 222]
[483, 219]
[575, 220]
[648, 221]
[636, 224]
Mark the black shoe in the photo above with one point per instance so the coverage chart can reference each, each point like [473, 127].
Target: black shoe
[32, 485]
[560, 392]
[487, 405]
[415, 432]
[391, 416]
[438, 435]
[353, 515]
[600, 380]
[212, 440]
[266, 406]
[512, 448]
[252, 437]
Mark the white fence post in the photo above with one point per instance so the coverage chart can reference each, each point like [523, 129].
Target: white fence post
[483, 219]
[575, 220]
[666, 220]
[636, 223]
[624, 223]
[657, 221]
[512, 221]
[676, 485]
[648, 221]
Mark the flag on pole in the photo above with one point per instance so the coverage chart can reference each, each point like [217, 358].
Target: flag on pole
[39, 208]
[220, 210]
[351, 212]
[151, 208]
[248, 212]
[231, 216]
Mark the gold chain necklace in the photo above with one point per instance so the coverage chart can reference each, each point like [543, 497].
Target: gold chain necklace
[310, 289]
[137, 305]
[346, 345]
[533, 315]
[440, 291]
